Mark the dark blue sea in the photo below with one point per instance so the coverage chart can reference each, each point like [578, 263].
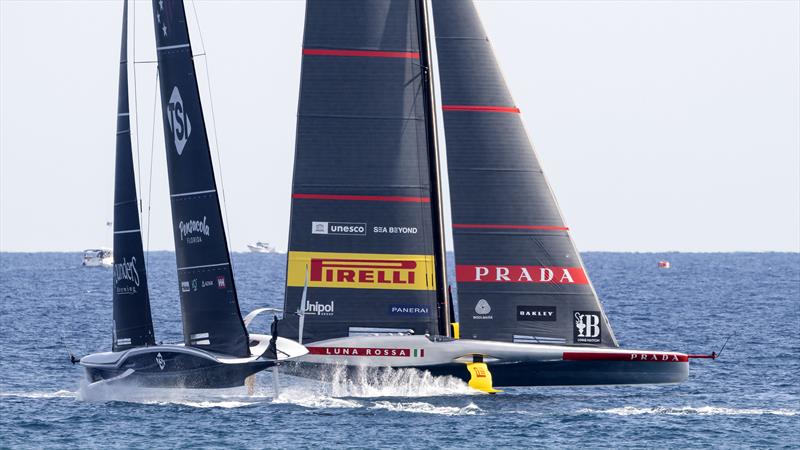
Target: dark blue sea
[750, 397]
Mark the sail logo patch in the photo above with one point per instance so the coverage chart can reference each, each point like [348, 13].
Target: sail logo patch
[483, 310]
[533, 313]
[342, 228]
[125, 273]
[320, 309]
[521, 274]
[178, 120]
[361, 271]
[394, 230]
[586, 329]
[409, 310]
[192, 231]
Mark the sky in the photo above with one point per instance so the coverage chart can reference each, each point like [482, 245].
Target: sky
[661, 125]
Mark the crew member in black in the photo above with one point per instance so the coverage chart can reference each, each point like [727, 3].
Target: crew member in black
[272, 351]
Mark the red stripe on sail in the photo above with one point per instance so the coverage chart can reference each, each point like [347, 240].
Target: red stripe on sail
[503, 109]
[510, 227]
[361, 53]
[364, 198]
[520, 274]
[629, 356]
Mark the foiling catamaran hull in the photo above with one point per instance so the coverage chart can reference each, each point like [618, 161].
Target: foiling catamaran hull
[510, 364]
[178, 366]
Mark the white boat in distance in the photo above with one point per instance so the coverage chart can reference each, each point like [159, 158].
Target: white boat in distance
[261, 247]
[98, 257]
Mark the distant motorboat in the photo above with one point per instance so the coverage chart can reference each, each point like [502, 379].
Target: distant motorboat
[261, 247]
[98, 257]
[664, 265]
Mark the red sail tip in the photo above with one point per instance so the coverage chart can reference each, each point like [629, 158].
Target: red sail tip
[501, 109]
[367, 198]
[359, 53]
[509, 227]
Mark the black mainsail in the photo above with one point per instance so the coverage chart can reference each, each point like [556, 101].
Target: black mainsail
[133, 324]
[211, 317]
[365, 216]
[520, 277]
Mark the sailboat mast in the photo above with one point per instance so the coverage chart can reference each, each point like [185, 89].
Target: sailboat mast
[440, 261]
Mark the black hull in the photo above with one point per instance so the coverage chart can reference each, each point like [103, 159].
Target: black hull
[161, 368]
[546, 373]
[577, 373]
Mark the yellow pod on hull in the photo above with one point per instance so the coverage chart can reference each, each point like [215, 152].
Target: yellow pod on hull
[480, 378]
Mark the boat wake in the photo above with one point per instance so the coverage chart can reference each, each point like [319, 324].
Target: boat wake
[57, 394]
[426, 408]
[196, 398]
[688, 410]
[313, 400]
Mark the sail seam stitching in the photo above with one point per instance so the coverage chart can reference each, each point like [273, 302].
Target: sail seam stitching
[360, 53]
[481, 108]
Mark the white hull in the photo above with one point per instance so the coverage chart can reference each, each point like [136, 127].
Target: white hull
[99, 262]
[258, 249]
[100, 257]
[512, 364]
[430, 352]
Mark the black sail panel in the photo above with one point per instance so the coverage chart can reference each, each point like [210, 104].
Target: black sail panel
[362, 220]
[133, 324]
[211, 317]
[520, 277]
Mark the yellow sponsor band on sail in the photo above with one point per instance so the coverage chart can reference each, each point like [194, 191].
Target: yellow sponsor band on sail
[362, 271]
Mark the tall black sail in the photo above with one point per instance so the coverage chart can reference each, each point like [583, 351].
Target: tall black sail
[211, 317]
[133, 324]
[520, 277]
[363, 216]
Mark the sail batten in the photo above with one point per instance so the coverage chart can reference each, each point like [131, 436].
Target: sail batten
[520, 277]
[133, 324]
[209, 303]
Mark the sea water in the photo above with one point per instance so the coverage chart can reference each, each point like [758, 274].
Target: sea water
[750, 397]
